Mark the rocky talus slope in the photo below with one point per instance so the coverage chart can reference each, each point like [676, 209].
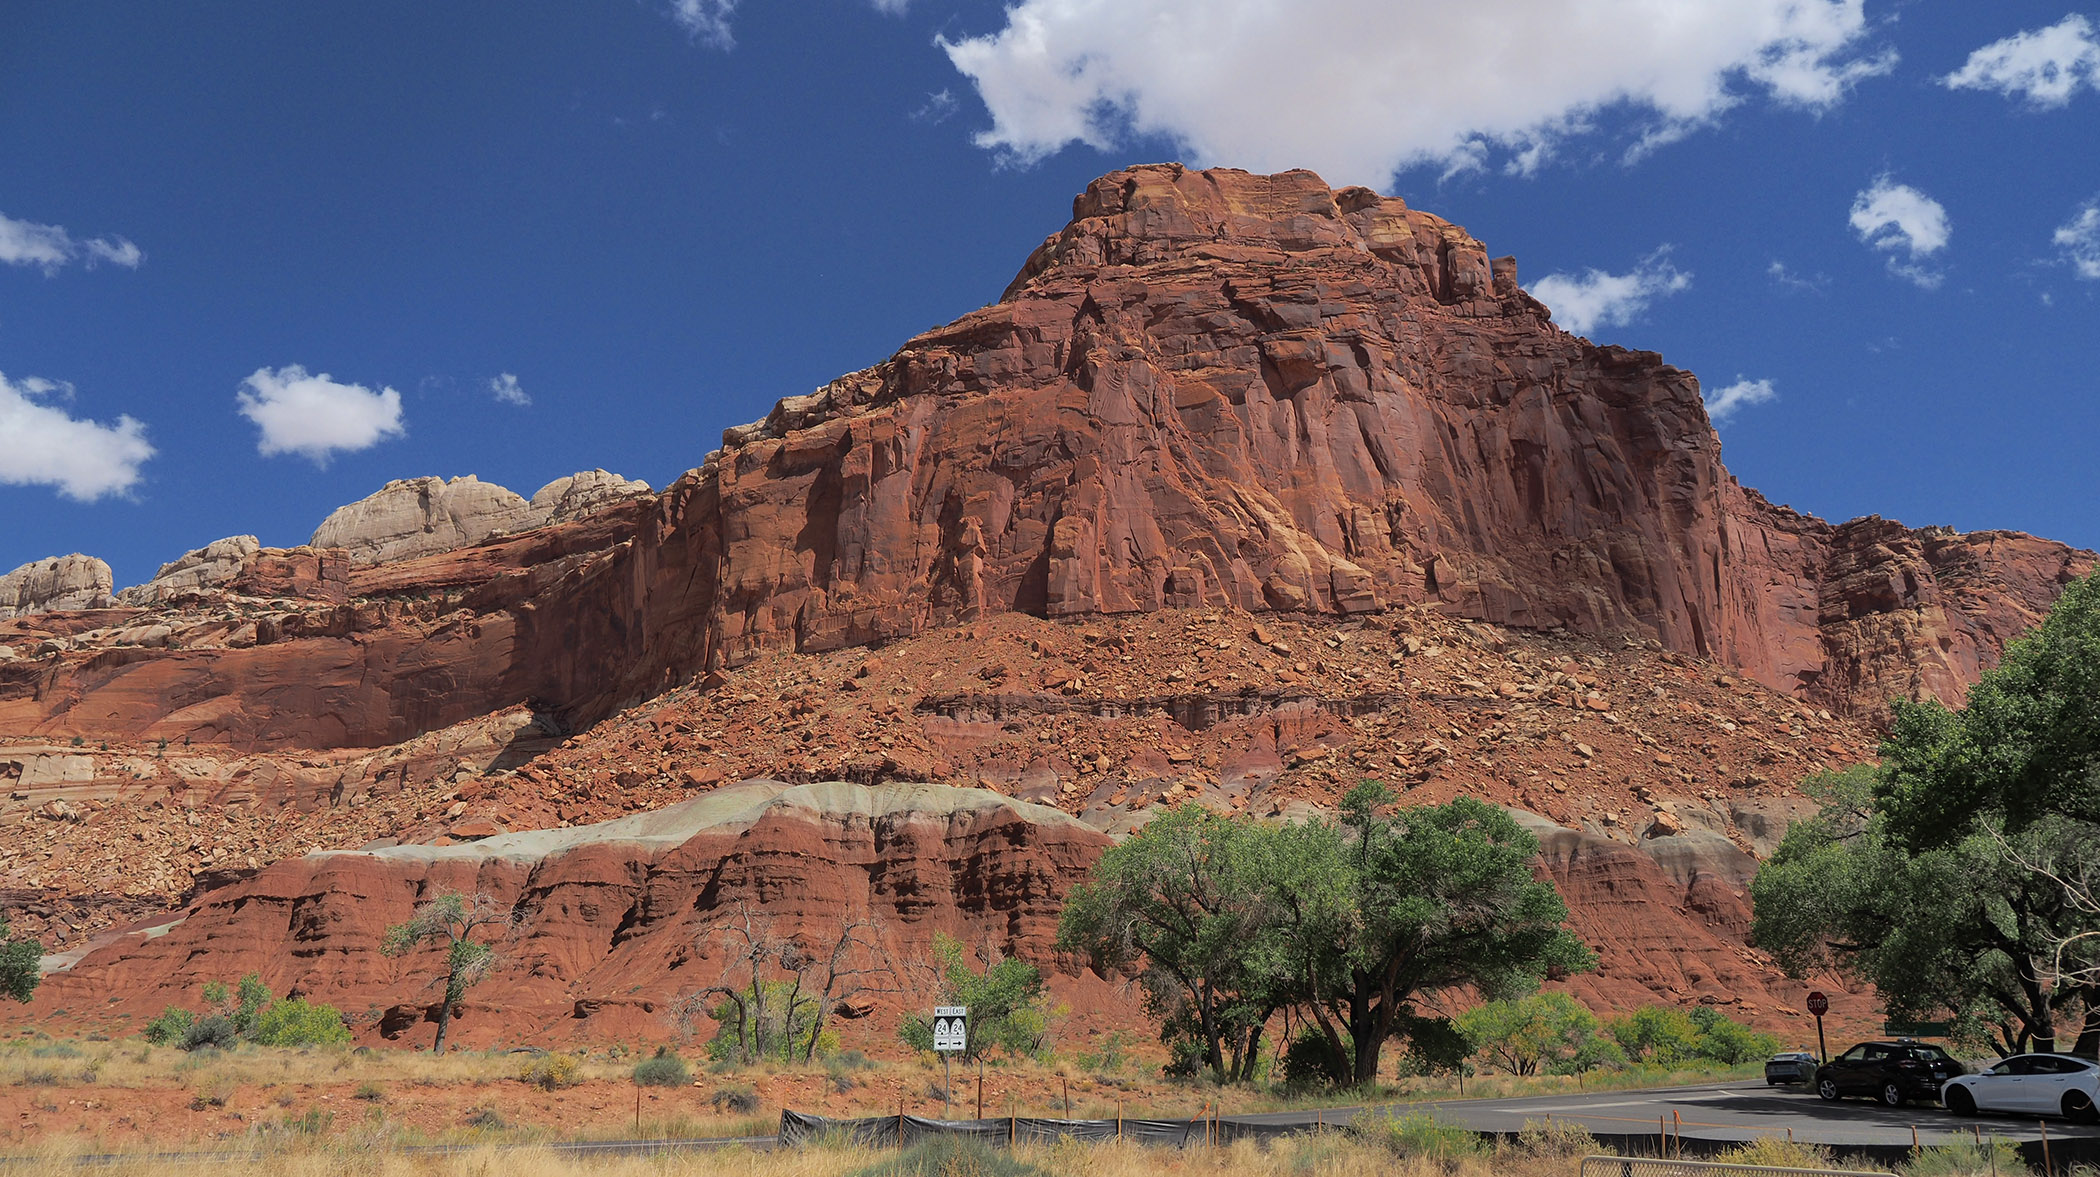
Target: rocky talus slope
[1246, 489]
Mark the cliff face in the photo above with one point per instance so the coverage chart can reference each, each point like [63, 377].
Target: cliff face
[614, 921]
[1209, 389]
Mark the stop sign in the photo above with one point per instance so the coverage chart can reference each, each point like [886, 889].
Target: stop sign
[1818, 1004]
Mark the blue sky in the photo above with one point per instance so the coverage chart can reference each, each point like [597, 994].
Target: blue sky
[1875, 222]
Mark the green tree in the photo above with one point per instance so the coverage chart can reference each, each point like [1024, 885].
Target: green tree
[452, 920]
[297, 1022]
[20, 964]
[1440, 897]
[2025, 746]
[1954, 928]
[1657, 1035]
[1009, 1006]
[1198, 904]
[1544, 1031]
[1729, 1042]
[776, 1021]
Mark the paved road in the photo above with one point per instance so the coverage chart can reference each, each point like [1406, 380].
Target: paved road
[1743, 1111]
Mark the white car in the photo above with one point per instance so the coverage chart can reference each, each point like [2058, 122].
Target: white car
[2029, 1084]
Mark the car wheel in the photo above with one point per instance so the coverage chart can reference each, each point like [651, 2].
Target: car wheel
[1827, 1088]
[1892, 1094]
[1960, 1102]
[2078, 1108]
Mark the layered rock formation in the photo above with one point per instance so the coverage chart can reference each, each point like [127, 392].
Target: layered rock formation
[613, 919]
[1210, 388]
[577, 495]
[414, 517]
[209, 567]
[55, 584]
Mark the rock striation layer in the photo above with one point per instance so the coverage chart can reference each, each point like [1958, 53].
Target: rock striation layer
[612, 919]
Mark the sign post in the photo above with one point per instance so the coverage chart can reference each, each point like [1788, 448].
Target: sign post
[1820, 1005]
[951, 1036]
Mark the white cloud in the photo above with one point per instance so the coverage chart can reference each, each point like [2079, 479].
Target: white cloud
[49, 247]
[1906, 224]
[1357, 89]
[1722, 403]
[1789, 280]
[706, 20]
[505, 388]
[1598, 299]
[313, 416]
[2045, 66]
[40, 445]
[939, 108]
[2079, 238]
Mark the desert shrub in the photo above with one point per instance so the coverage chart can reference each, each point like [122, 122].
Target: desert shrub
[1557, 1140]
[850, 1059]
[1549, 1032]
[1311, 1060]
[782, 1023]
[39, 1077]
[294, 1022]
[1965, 1158]
[316, 1122]
[552, 1072]
[215, 1031]
[1664, 1037]
[55, 1050]
[1417, 1134]
[1009, 1006]
[369, 1092]
[1723, 1040]
[213, 1096]
[1773, 1152]
[1110, 1058]
[736, 1099]
[169, 1028]
[486, 1118]
[951, 1156]
[664, 1070]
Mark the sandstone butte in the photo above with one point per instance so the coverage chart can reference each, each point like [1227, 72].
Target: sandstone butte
[1210, 393]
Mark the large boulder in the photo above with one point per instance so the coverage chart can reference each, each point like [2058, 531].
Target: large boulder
[577, 495]
[421, 516]
[55, 584]
[215, 564]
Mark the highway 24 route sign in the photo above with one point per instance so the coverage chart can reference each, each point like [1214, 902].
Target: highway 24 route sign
[951, 1028]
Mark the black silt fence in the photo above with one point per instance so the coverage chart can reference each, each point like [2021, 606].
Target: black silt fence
[902, 1131]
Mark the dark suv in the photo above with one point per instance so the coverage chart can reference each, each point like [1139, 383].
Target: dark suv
[1891, 1072]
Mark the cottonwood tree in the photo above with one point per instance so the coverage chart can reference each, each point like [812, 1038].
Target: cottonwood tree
[453, 920]
[1957, 875]
[1197, 905]
[1440, 897]
[1350, 924]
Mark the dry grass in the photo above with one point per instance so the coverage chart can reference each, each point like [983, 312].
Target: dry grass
[1333, 1155]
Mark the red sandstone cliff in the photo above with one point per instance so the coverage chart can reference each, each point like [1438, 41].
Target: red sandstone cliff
[1211, 388]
